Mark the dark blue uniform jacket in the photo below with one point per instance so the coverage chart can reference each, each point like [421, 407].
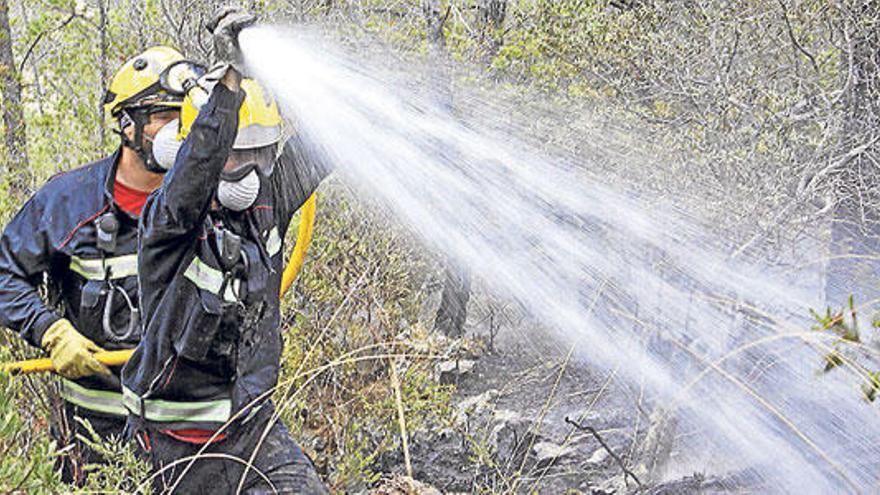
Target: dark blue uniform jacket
[53, 238]
[212, 343]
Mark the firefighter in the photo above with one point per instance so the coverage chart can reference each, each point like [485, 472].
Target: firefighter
[79, 234]
[199, 386]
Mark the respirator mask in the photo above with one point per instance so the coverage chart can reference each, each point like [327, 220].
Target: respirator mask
[166, 145]
[239, 186]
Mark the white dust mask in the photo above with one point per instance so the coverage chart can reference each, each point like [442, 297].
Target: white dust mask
[239, 195]
[166, 145]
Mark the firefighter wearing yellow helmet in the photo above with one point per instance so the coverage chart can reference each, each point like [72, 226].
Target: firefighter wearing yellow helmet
[79, 231]
[259, 122]
[213, 239]
[260, 130]
[149, 87]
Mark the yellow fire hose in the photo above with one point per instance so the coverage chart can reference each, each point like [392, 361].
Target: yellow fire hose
[116, 358]
[303, 239]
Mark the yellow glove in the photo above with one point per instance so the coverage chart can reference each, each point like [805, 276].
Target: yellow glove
[72, 353]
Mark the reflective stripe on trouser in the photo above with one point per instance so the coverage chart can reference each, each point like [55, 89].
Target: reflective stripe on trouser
[96, 269]
[103, 401]
[212, 411]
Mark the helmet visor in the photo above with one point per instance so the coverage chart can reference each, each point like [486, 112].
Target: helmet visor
[247, 159]
[180, 77]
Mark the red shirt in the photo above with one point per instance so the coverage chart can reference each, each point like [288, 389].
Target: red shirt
[130, 200]
[194, 435]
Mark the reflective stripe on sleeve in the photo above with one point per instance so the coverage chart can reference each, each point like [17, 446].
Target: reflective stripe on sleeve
[94, 269]
[216, 411]
[210, 279]
[273, 243]
[205, 277]
[103, 401]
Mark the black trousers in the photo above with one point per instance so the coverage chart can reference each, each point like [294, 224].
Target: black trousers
[67, 432]
[279, 466]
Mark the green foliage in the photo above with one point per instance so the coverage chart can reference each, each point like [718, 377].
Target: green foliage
[848, 347]
[121, 472]
[27, 452]
[357, 303]
[835, 323]
[357, 465]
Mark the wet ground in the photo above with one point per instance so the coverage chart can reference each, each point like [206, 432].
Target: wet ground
[516, 403]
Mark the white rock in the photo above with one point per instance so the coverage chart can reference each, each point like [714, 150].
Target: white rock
[475, 405]
[456, 366]
[547, 451]
[506, 416]
[598, 456]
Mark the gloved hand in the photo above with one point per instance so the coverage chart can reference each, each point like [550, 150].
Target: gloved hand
[226, 23]
[71, 352]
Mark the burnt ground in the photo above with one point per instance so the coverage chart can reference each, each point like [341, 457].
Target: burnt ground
[510, 433]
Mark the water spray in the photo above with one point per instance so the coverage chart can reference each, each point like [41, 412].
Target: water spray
[721, 342]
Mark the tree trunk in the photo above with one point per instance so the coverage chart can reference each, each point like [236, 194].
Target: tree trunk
[855, 229]
[441, 80]
[102, 66]
[492, 14]
[15, 138]
[452, 313]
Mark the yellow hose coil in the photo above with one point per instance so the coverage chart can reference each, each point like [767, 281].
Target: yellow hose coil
[116, 358]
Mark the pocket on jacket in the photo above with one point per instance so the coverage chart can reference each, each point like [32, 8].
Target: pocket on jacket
[208, 338]
[200, 326]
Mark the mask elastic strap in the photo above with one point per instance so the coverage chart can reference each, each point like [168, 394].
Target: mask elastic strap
[138, 120]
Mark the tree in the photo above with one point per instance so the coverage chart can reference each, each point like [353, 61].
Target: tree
[102, 65]
[452, 312]
[15, 138]
[491, 14]
[855, 229]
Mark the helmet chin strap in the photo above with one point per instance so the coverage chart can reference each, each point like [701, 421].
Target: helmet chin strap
[138, 118]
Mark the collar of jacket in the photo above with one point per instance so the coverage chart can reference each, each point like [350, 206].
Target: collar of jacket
[109, 182]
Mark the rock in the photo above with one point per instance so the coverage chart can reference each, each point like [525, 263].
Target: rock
[611, 486]
[319, 444]
[404, 485]
[548, 451]
[598, 456]
[449, 371]
[466, 365]
[510, 434]
[504, 440]
[475, 405]
[506, 416]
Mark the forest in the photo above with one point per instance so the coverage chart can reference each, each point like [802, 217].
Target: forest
[668, 284]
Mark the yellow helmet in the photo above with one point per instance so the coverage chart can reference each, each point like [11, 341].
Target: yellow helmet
[154, 81]
[259, 122]
[141, 81]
